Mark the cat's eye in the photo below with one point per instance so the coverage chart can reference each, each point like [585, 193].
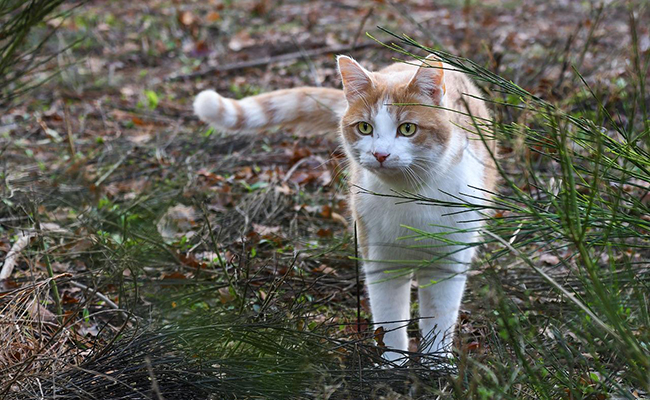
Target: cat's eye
[364, 128]
[407, 129]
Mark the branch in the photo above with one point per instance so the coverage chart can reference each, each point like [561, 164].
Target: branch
[271, 60]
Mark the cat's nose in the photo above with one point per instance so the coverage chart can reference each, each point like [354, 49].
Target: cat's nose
[381, 157]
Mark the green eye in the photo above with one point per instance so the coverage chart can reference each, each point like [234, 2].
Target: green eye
[364, 128]
[407, 129]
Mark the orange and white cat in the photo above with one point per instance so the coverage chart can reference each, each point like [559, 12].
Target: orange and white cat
[405, 128]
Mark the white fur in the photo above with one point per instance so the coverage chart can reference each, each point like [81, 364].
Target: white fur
[285, 107]
[253, 113]
[229, 114]
[385, 220]
[207, 106]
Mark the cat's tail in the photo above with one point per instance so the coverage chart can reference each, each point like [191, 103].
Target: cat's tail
[310, 108]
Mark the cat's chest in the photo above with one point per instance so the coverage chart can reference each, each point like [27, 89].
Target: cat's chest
[389, 219]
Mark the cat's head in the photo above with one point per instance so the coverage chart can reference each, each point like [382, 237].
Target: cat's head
[389, 127]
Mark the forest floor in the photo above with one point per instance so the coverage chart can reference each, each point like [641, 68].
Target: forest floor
[148, 218]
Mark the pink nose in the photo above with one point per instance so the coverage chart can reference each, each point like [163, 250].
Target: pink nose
[381, 157]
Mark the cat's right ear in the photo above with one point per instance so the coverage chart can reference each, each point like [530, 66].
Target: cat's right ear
[356, 79]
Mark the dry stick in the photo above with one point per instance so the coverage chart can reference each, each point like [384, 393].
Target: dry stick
[68, 125]
[293, 169]
[112, 169]
[553, 283]
[97, 293]
[48, 264]
[154, 382]
[13, 254]
[272, 60]
[312, 67]
[361, 25]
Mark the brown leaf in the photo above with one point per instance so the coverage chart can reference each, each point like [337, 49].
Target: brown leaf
[240, 41]
[177, 222]
[323, 233]
[213, 16]
[266, 230]
[326, 212]
[379, 336]
[191, 261]
[549, 259]
[298, 154]
[245, 172]
[211, 177]
[325, 269]
[67, 299]
[300, 178]
[284, 189]
[473, 346]
[225, 296]
[39, 313]
[174, 275]
[186, 18]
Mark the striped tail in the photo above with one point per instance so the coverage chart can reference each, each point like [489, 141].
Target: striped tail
[309, 108]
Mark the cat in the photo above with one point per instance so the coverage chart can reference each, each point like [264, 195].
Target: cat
[406, 128]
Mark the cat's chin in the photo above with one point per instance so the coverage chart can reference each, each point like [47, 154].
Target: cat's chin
[386, 172]
[394, 177]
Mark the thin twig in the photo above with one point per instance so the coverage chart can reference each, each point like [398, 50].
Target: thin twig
[97, 293]
[112, 169]
[271, 60]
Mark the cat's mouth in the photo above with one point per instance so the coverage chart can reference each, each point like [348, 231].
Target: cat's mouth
[385, 169]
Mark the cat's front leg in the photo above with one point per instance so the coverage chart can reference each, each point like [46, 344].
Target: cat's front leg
[439, 300]
[390, 294]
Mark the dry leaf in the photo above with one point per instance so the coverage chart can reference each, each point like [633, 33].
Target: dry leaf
[225, 296]
[379, 337]
[177, 222]
[549, 259]
[213, 16]
[266, 230]
[41, 314]
[186, 18]
[240, 41]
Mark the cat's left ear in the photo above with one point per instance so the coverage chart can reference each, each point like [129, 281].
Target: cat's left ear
[429, 79]
[356, 79]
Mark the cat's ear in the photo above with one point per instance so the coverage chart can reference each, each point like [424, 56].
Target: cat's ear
[429, 79]
[356, 79]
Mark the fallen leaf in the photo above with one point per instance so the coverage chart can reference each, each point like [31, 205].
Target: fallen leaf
[325, 269]
[213, 16]
[225, 295]
[284, 189]
[177, 222]
[240, 41]
[174, 275]
[324, 233]
[186, 18]
[41, 314]
[266, 230]
[326, 212]
[379, 336]
[549, 259]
